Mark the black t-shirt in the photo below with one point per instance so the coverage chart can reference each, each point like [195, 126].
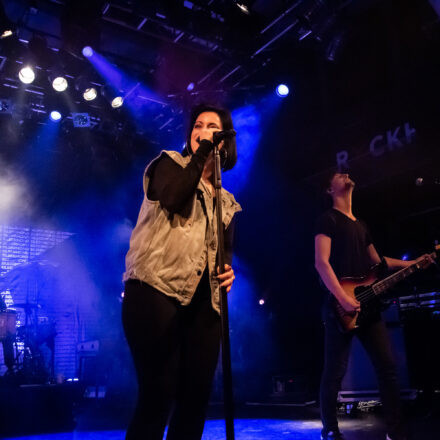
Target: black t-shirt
[350, 239]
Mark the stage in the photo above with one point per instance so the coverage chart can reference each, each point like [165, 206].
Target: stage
[263, 422]
[310, 102]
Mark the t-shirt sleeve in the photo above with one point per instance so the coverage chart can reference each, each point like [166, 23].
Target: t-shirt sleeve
[325, 224]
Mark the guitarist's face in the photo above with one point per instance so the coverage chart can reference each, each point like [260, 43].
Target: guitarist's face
[340, 183]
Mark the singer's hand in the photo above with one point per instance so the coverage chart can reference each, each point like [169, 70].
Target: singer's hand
[227, 278]
[205, 142]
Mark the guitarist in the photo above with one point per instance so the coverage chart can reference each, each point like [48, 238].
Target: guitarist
[344, 248]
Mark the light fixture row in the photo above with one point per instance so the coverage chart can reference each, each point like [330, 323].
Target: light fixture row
[60, 83]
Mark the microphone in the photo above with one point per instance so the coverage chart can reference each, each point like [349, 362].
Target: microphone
[219, 136]
[420, 181]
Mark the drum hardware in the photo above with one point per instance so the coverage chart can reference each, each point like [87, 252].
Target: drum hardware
[28, 362]
[27, 336]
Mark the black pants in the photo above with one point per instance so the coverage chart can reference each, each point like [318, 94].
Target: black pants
[175, 351]
[375, 339]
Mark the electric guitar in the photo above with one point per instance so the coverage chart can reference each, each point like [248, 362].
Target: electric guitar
[370, 288]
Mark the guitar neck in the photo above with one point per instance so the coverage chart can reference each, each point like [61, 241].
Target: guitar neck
[388, 282]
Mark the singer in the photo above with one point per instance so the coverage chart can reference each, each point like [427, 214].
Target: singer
[170, 311]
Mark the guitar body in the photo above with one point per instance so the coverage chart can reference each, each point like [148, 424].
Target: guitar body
[353, 287]
[367, 290]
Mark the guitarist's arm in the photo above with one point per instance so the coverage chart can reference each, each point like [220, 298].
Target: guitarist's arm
[328, 276]
[392, 263]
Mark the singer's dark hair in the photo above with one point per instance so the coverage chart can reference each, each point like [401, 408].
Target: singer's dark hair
[229, 150]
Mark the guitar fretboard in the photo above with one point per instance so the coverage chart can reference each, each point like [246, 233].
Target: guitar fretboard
[393, 279]
[400, 275]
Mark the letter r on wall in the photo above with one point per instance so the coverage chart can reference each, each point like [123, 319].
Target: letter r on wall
[342, 160]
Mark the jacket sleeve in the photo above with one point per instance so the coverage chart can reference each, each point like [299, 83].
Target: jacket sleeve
[174, 185]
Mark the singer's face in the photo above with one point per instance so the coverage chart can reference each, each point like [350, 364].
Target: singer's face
[206, 123]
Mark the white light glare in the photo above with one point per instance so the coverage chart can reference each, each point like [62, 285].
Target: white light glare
[90, 94]
[55, 116]
[282, 90]
[60, 84]
[243, 7]
[117, 102]
[7, 33]
[26, 75]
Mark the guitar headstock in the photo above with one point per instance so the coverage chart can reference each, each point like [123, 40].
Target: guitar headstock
[428, 259]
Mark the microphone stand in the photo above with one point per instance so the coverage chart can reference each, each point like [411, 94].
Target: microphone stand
[228, 397]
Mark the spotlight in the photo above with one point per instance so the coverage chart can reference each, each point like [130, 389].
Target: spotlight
[87, 51]
[282, 90]
[90, 94]
[6, 26]
[190, 87]
[113, 97]
[117, 102]
[86, 88]
[7, 33]
[55, 116]
[261, 302]
[243, 6]
[59, 83]
[26, 75]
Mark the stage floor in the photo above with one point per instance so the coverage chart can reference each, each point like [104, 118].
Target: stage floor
[366, 428]
[245, 429]
[254, 422]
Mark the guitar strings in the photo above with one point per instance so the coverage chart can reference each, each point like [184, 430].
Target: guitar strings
[366, 294]
[369, 293]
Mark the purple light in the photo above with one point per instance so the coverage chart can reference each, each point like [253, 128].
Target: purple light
[405, 257]
[190, 87]
[261, 302]
[87, 51]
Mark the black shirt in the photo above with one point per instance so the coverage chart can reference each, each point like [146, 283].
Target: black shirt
[350, 239]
